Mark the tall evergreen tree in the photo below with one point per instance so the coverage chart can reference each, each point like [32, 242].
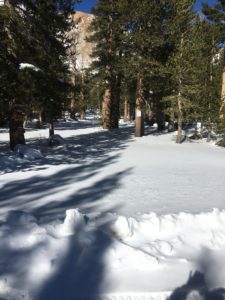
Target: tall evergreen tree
[216, 17]
[34, 33]
[12, 25]
[180, 30]
[107, 36]
[145, 46]
[206, 72]
[49, 22]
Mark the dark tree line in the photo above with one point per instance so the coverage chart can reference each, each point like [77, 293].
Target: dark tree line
[34, 69]
[155, 61]
[171, 56]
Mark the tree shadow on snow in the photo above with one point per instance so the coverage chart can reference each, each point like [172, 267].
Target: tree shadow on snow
[82, 271]
[196, 288]
[47, 196]
[77, 149]
[82, 268]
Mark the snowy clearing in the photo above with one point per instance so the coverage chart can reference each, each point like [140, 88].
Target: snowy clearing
[105, 215]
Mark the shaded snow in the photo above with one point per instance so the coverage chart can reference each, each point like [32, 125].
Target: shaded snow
[26, 152]
[112, 215]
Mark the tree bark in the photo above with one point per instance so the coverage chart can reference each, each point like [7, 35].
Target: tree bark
[16, 130]
[39, 123]
[106, 107]
[223, 87]
[160, 118]
[180, 120]
[115, 108]
[51, 127]
[179, 100]
[82, 114]
[139, 118]
[82, 98]
[125, 115]
[109, 99]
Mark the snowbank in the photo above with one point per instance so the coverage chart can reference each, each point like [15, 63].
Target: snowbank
[148, 246]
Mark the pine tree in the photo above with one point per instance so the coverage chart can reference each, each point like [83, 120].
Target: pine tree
[107, 35]
[216, 17]
[12, 25]
[205, 74]
[49, 24]
[145, 47]
[180, 32]
[34, 33]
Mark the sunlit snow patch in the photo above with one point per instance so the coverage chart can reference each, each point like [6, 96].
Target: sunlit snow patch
[28, 66]
[74, 221]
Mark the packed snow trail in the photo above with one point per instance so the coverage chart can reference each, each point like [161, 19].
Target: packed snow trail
[107, 214]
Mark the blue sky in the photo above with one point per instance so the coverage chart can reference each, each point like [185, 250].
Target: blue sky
[86, 5]
[198, 3]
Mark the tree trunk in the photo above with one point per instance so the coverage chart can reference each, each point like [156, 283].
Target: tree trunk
[180, 120]
[106, 107]
[179, 100]
[51, 127]
[223, 87]
[209, 127]
[115, 108]
[72, 108]
[125, 116]
[82, 98]
[223, 94]
[82, 114]
[39, 122]
[73, 81]
[139, 118]
[211, 96]
[25, 121]
[128, 112]
[16, 130]
[160, 118]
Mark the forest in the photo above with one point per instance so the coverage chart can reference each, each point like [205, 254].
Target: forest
[111, 178]
[153, 62]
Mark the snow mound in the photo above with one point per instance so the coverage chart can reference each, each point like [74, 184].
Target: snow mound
[148, 247]
[73, 222]
[153, 227]
[27, 152]
[123, 227]
[174, 135]
[56, 139]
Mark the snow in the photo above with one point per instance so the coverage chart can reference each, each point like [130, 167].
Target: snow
[28, 66]
[111, 216]
[26, 152]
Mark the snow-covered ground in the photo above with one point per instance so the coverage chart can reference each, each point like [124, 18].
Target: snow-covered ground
[104, 215]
